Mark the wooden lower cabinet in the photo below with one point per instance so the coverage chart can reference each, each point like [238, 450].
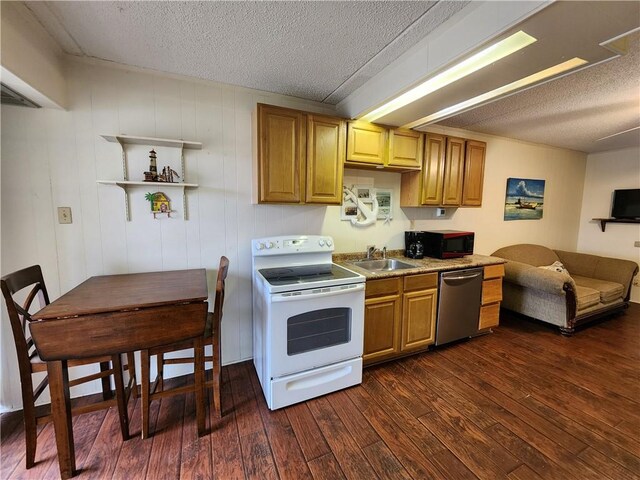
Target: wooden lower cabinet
[382, 329]
[400, 314]
[491, 296]
[418, 319]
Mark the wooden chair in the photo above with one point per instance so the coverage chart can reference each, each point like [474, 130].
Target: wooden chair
[29, 362]
[211, 337]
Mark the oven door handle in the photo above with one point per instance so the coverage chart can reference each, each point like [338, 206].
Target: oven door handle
[322, 293]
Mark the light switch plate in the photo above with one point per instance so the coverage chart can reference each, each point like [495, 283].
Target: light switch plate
[636, 244]
[64, 215]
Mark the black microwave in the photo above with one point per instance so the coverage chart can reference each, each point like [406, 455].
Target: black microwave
[444, 243]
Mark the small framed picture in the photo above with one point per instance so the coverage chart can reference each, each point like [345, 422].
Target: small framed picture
[385, 205]
[348, 210]
[364, 193]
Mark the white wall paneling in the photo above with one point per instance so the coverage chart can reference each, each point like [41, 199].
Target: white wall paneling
[53, 158]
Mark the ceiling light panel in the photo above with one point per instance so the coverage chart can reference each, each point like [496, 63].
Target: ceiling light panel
[498, 92]
[485, 57]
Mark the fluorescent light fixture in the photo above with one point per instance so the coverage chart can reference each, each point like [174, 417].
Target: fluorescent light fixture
[472, 64]
[518, 84]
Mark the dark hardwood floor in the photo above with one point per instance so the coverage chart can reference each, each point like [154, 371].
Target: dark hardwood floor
[522, 403]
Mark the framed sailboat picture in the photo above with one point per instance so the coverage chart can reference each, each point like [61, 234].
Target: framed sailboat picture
[524, 199]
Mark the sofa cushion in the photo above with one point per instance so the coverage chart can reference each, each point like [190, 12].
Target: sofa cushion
[535, 255]
[586, 297]
[609, 291]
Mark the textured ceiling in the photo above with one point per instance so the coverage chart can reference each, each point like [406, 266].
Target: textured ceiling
[315, 50]
[325, 50]
[574, 111]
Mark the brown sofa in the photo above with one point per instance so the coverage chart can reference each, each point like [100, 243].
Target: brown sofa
[593, 286]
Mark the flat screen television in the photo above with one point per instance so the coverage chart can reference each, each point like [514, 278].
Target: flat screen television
[626, 203]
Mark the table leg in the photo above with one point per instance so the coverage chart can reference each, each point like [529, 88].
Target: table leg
[201, 407]
[61, 411]
[121, 396]
[144, 391]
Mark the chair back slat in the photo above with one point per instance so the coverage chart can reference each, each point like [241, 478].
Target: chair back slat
[223, 270]
[19, 315]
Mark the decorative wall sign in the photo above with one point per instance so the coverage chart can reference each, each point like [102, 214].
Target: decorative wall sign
[356, 210]
[524, 199]
[160, 203]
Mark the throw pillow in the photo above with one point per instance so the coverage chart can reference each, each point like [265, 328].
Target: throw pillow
[556, 267]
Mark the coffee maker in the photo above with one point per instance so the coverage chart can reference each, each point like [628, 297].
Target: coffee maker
[414, 245]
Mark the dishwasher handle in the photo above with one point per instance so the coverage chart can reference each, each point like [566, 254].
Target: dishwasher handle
[460, 277]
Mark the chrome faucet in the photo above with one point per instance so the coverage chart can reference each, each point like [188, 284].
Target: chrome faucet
[371, 249]
[384, 253]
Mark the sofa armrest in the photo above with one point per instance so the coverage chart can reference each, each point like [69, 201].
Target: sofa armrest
[537, 278]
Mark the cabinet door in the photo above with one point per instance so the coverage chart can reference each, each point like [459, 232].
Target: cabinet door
[453, 172]
[281, 152]
[473, 173]
[433, 170]
[405, 149]
[418, 319]
[366, 144]
[381, 328]
[325, 159]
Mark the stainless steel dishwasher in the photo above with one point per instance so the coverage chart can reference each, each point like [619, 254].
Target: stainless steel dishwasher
[459, 297]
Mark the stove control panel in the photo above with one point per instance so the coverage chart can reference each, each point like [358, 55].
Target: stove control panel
[292, 244]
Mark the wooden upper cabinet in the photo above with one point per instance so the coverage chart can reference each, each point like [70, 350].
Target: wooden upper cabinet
[405, 149]
[433, 170]
[325, 158]
[300, 156]
[453, 172]
[473, 173]
[281, 152]
[366, 144]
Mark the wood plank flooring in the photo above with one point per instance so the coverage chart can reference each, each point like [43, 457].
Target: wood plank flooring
[522, 403]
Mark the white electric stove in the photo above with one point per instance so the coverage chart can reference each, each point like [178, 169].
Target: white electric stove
[308, 319]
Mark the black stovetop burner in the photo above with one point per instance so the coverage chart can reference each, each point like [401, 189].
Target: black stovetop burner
[305, 274]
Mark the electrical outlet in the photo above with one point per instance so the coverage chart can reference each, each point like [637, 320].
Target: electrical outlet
[636, 243]
[64, 215]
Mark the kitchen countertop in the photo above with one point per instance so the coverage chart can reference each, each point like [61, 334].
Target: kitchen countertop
[425, 265]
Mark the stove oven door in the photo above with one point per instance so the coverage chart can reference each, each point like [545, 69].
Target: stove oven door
[314, 328]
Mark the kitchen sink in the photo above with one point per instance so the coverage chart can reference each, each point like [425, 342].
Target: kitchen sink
[386, 265]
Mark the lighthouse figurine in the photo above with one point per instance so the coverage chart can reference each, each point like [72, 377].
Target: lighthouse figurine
[152, 174]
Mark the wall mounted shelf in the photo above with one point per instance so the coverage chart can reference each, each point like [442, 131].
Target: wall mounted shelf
[125, 183]
[159, 142]
[604, 221]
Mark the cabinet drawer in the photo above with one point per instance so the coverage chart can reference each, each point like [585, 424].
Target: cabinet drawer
[494, 271]
[421, 281]
[383, 286]
[489, 316]
[491, 291]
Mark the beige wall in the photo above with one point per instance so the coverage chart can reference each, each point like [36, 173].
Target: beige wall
[607, 172]
[32, 62]
[53, 158]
